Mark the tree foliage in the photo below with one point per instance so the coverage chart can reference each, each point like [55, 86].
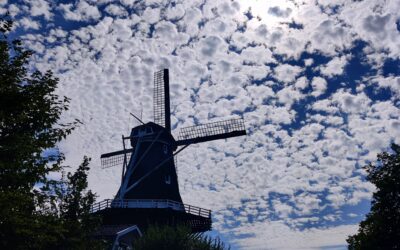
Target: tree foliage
[381, 228]
[36, 211]
[178, 238]
[75, 202]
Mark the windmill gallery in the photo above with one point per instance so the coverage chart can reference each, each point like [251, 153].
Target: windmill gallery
[149, 190]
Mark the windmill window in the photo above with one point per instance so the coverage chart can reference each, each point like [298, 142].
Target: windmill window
[165, 149]
[168, 179]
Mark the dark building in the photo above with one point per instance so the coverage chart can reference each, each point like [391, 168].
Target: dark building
[149, 191]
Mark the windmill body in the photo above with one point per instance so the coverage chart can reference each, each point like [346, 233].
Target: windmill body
[149, 191]
[150, 173]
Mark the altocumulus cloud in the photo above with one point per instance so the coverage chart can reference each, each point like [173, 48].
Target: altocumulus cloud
[318, 83]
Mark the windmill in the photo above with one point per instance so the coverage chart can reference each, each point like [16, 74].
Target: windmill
[149, 191]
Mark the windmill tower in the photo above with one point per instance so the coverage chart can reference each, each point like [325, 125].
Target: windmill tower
[149, 191]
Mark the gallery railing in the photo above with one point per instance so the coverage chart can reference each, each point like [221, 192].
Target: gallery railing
[146, 203]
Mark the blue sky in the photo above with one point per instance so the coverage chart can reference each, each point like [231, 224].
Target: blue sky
[317, 81]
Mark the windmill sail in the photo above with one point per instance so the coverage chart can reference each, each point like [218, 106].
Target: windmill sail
[115, 158]
[162, 113]
[211, 131]
[149, 190]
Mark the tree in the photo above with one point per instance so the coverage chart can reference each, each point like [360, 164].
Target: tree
[75, 203]
[178, 238]
[381, 227]
[35, 211]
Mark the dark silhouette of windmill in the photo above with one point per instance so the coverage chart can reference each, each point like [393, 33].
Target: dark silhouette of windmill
[149, 191]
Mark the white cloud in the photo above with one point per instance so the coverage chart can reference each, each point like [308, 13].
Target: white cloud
[334, 67]
[210, 46]
[277, 11]
[167, 31]
[308, 61]
[151, 15]
[128, 3]
[257, 55]
[319, 86]
[350, 103]
[287, 73]
[27, 23]
[239, 40]
[191, 20]
[13, 10]
[80, 12]
[375, 24]
[116, 10]
[259, 93]
[391, 82]
[289, 95]
[301, 83]
[275, 235]
[176, 12]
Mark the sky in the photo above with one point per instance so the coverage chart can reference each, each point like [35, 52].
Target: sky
[317, 82]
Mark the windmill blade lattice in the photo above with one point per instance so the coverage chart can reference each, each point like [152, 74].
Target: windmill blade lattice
[114, 160]
[211, 131]
[161, 99]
